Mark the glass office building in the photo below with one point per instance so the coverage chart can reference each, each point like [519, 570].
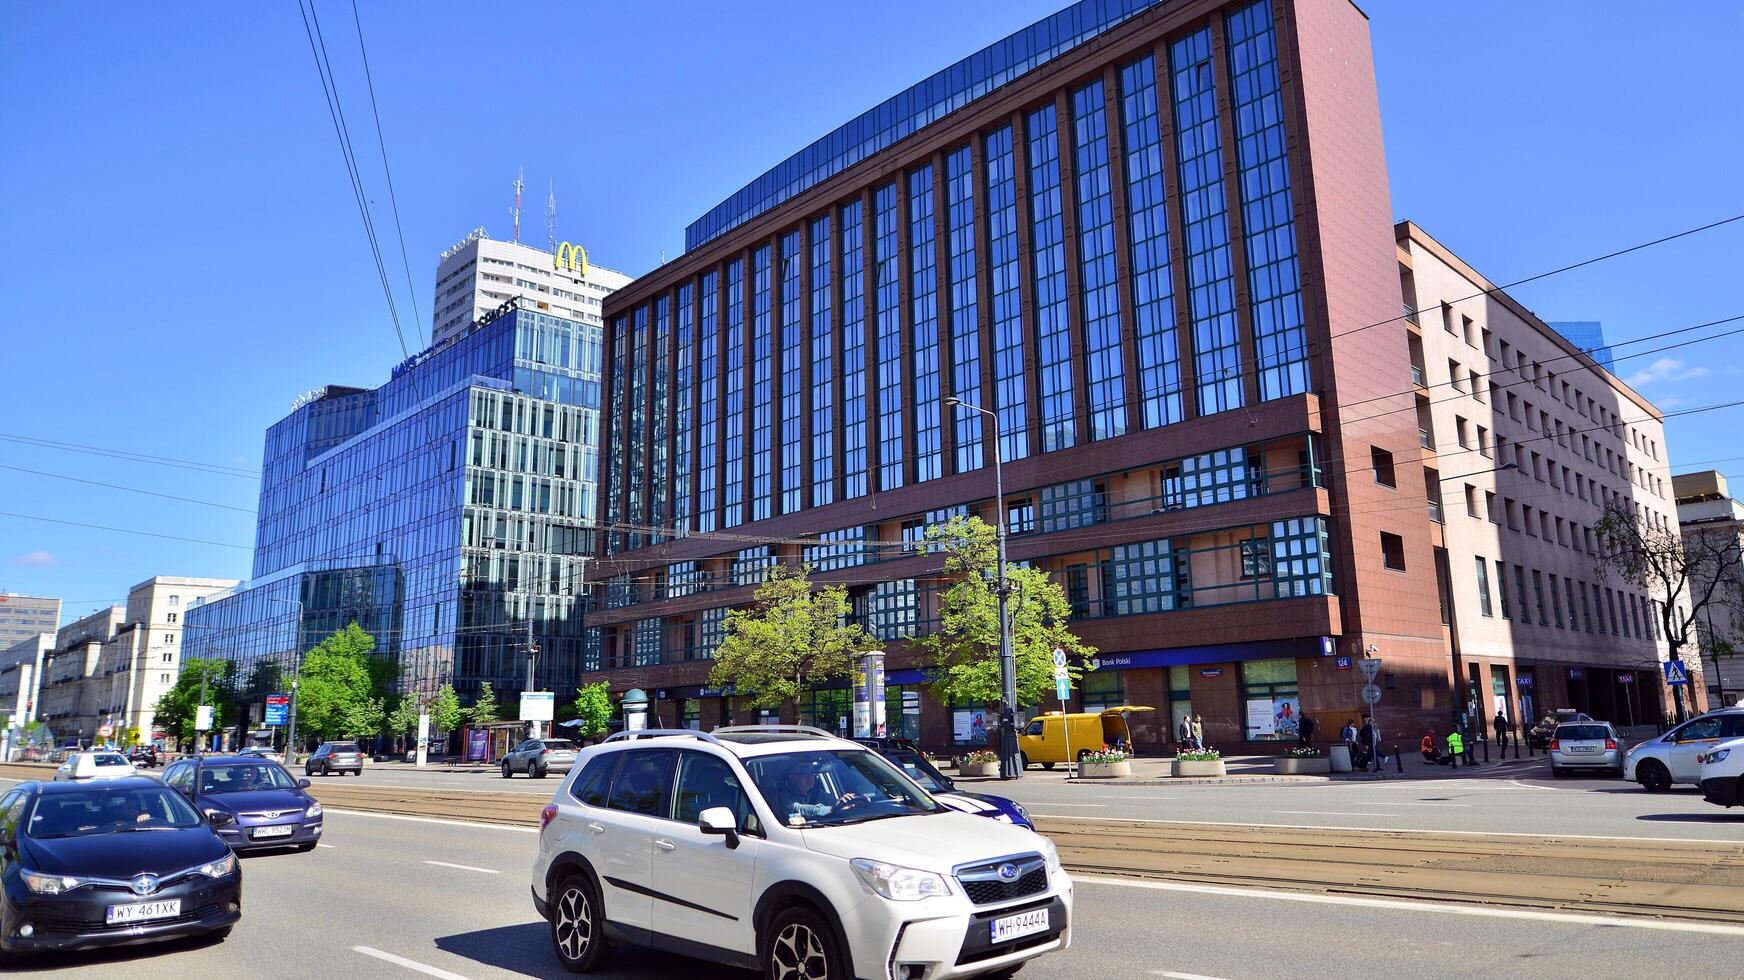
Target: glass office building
[442, 511]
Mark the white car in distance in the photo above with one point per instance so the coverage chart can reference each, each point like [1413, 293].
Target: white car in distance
[789, 851]
[94, 766]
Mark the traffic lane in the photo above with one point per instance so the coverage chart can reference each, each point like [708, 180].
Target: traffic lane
[438, 778]
[1516, 803]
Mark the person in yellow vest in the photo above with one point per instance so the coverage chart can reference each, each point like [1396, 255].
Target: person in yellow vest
[1455, 745]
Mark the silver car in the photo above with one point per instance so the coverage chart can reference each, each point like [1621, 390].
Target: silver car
[1670, 759]
[1586, 745]
[538, 756]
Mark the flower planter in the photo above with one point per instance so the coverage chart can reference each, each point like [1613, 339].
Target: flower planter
[977, 768]
[1212, 767]
[1104, 770]
[1314, 766]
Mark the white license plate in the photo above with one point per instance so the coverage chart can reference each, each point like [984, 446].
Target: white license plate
[144, 911]
[282, 830]
[1020, 925]
[1585, 748]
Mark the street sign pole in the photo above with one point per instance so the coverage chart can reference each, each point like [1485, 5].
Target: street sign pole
[1063, 689]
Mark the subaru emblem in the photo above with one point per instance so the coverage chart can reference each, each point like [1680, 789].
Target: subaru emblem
[1008, 872]
[144, 885]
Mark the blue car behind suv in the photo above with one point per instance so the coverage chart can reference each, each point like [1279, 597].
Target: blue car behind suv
[907, 756]
[270, 808]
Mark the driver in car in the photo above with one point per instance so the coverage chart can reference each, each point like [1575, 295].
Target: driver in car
[802, 797]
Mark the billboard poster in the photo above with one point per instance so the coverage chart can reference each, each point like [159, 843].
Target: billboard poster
[969, 726]
[1286, 717]
[1260, 722]
[477, 745]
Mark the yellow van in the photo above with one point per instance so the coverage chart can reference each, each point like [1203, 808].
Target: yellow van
[1045, 739]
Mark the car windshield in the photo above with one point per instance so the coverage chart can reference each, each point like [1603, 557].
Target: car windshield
[560, 744]
[244, 777]
[1580, 732]
[108, 760]
[916, 767]
[826, 788]
[93, 812]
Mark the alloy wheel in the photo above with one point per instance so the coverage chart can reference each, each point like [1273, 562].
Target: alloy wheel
[798, 955]
[574, 930]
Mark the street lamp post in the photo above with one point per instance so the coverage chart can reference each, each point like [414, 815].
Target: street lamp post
[296, 677]
[1009, 767]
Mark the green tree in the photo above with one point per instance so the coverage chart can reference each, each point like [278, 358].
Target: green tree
[593, 708]
[965, 648]
[795, 636]
[175, 710]
[484, 707]
[403, 720]
[445, 713]
[336, 694]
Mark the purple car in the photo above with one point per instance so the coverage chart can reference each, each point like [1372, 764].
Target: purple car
[268, 806]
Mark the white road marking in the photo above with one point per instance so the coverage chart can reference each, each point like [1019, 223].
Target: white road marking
[1337, 813]
[1402, 803]
[464, 867]
[326, 845]
[408, 964]
[1383, 830]
[1127, 798]
[450, 823]
[1101, 805]
[1533, 915]
[1182, 976]
[1547, 789]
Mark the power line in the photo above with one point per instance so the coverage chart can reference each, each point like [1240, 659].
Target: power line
[117, 486]
[186, 464]
[127, 530]
[393, 199]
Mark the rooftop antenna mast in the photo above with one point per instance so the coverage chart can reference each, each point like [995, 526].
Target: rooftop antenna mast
[520, 182]
[551, 216]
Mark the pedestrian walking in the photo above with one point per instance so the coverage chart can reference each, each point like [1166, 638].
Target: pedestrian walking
[1347, 735]
[1186, 731]
[1305, 726]
[1199, 732]
[1501, 730]
[1370, 739]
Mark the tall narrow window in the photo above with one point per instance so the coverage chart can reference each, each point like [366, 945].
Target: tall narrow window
[854, 461]
[924, 323]
[733, 409]
[965, 331]
[708, 403]
[1005, 294]
[614, 477]
[1099, 290]
[793, 352]
[1048, 254]
[886, 269]
[762, 384]
[682, 378]
[1205, 222]
[660, 480]
[635, 391]
[1483, 587]
[823, 401]
[1147, 215]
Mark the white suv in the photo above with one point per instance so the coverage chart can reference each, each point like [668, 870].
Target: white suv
[1658, 763]
[786, 850]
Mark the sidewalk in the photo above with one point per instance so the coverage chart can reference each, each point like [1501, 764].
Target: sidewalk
[1150, 770]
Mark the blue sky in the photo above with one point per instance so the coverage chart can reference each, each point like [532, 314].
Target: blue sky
[184, 257]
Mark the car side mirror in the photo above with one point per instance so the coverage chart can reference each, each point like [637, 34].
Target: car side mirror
[302, 784]
[218, 818]
[720, 820]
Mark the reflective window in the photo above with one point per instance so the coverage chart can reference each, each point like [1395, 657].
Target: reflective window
[682, 379]
[854, 462]
[793, 352]
[1147, 215]
[1048, 253]
[1205, 221]
[762, 426]
[965, 330]
[1274, 279]
[1099, 287]
[1005, 295]
[823, 366]
[635, 393]
[924, 304]
[708, 404]
[838, 549]
[660, 480]
[615, 447]
[733, 411]
[886, 268]
[1143, 577]
[644, 782]
[1301, 557]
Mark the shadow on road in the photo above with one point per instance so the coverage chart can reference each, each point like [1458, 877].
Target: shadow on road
[84, 959]
[1721, 818]
[526, 949]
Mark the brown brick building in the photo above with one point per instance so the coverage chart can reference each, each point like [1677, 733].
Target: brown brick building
[1155, 240]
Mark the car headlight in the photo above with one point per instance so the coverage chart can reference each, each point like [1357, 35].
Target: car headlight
[1021, 811]
[1718, 755]
[1050, 853]
[219, 868]
[314, 810]
[50, 884]
[897, 883]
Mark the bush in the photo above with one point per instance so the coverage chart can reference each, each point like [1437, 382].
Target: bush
[1198, 755]
[981, 757]
[1105, 754]
[1301, 752]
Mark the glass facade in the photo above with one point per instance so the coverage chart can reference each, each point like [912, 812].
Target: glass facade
[440, 511]
[683, 377]
[708, 400]
[635, 392]
[965, 310]
[854, 460]
[1147, 215]
[924, 320]
[917, 107]
[1099, 285]
[1205, 219]
[886, 266]
[762, 385]
[793, 352]
[733, 419]
[823, 366]
[1048, 248]
[660, 477]
[1006, 296]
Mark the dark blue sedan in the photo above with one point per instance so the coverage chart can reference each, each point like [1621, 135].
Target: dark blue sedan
[905, 755]
[268, 807]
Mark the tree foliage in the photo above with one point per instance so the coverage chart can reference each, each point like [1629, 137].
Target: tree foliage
[445, 713]
[337, 695]
[176, 708]
[484, 707]
[965, 648]
[593, 708]
[403, 720]
[795, 636]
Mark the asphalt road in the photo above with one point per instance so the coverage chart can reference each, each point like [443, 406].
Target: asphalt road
[397, 898]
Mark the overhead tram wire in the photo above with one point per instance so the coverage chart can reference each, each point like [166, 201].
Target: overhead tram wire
[127, 530]
[117, 486]
[215, 469]
[393, 199]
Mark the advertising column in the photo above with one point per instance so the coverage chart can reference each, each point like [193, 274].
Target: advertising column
[869, 695]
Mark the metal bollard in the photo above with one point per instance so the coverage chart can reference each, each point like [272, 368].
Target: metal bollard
[1486, 750]
[1398, 760]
